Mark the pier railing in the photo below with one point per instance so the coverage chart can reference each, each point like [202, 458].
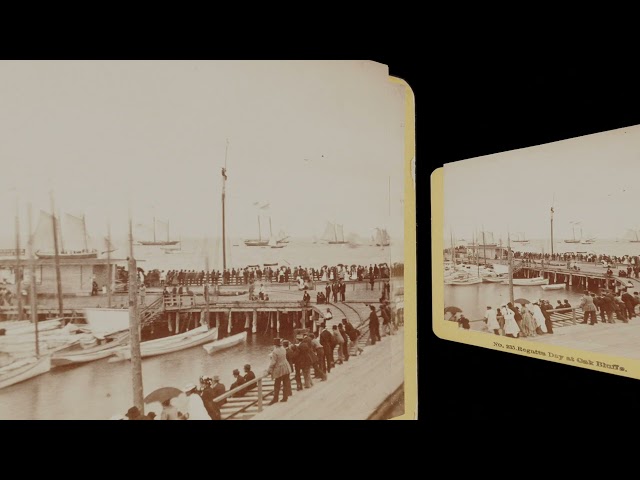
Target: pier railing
[248, 402]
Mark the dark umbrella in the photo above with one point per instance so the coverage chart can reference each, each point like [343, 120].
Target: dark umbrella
[452, 310]
[522, 301]
[163, 394]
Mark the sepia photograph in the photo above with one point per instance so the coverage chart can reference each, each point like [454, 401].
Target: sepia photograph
[542, 251]
[225, 240]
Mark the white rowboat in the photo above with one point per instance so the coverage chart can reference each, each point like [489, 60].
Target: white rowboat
[555, 286]
[24, 369]
[525, 282]
[175, 343]
[231, 341]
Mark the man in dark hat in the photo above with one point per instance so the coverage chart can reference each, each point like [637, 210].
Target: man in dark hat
[239, 381]
[134, 414]
[279, 370]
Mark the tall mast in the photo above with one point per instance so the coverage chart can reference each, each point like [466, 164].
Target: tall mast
[32, 296]
[552, 227]
[510, 268]
[109, 274]
[224, 183]
[56, 256]
[18, 274]
[134, 327]
[259, 229]
[484, 247]
[84, 229]
[154, 228]
[335, 232]
[168, 236]
[270, 231]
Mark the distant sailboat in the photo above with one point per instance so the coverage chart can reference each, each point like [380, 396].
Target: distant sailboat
[73, 244]
[520, 239]
[382, 238]
[282, 237]
[156, 242]
[575, 240]
[635, 238]
[334, 234]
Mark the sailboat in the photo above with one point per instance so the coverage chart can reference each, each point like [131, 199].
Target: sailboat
[273, 243]
[522, 239]
[156, 242]
[282, 237]
[634, 236]
[382, 238]
[334, 234]
[259, 242]
[73, 244]
[574, 240]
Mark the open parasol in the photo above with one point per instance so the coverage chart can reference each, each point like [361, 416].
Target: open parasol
[163, 394]
[452, 310]
[522, 301]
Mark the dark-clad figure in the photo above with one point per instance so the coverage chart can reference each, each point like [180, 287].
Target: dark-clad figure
[218, 389]
[627, 298]
[342, 287]
[326, 340]
[306, 358]
[248, 376]
[374, 326]
[334, 289]
[239, 381]
[208, 395]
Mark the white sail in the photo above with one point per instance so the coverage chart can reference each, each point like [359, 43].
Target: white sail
[43, 235]
[385, 237]
[340, 233]
[329, 233]
[75, 239]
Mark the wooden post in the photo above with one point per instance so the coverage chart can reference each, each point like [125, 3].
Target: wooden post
[33, 305]
[254, 326]
[134, 328]
[109, 273]
[230, 321]
[207, 293]
[56, 257]
[247, 320]
[18, 275]
[277, 321]
[260, 394]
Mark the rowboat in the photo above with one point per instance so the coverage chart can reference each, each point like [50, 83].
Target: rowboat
[84, 355]
[231, 341]
[175, 343]
[493, 279]
[27, 327]
[526, 282]
[555, 286]
[24, 369]
[469, 281]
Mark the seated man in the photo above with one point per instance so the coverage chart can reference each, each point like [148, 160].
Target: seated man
[239, 381]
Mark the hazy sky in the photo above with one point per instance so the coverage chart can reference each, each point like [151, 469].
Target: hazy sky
[317, 140]
[594, 179]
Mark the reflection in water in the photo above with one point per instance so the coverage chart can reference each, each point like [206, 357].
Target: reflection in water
[98, 390]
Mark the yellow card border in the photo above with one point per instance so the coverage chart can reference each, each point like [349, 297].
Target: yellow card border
[410, 279]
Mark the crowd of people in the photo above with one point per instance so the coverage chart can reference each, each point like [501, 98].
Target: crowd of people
[282, 274]
[311, 358]
[531, 319]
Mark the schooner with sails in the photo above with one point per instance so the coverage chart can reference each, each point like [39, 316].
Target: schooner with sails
[74, 242]
[155, 241]
[334, 234]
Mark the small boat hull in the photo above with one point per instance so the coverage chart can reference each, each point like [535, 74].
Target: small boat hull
[528, 282]
[471, 281]
[228, 342]
[493, 279]
[556, 286]
[68, 357]
[26, 370]
[66, 256]
[174, 343]
[256, 243]
[153, 244]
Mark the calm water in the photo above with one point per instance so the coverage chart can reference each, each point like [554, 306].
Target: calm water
[100, 389]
